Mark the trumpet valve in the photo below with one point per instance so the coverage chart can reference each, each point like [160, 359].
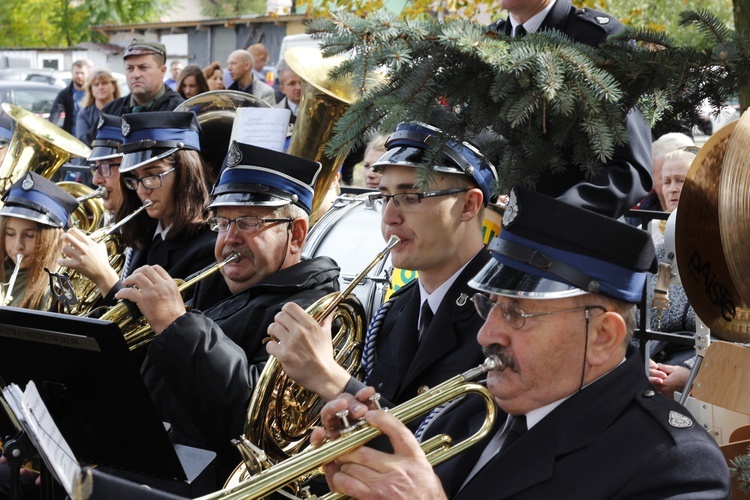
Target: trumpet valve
[343, 415]
[375, 400]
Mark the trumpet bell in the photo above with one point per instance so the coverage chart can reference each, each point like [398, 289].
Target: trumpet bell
[36, 145]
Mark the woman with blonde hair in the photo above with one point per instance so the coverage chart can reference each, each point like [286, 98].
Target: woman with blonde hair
[101, 88]
[33, 216]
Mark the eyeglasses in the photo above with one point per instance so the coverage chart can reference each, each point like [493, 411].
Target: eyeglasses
[514, 315]
[104, 169]
[408, 201]
[247, 223]
[148, 181]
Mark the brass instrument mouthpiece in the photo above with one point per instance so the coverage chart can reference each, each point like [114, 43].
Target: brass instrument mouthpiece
[393, 242]
[493, 363]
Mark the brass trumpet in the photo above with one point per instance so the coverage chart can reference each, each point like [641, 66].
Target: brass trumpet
[136, 330]
[8, 297]
[437, 449]
[74, 292]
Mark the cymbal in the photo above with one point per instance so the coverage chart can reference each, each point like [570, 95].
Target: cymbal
[734, 207]
[701, 262]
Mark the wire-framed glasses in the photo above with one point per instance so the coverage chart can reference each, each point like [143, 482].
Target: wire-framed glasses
[408, 201]
[513, 314]
[248, 223]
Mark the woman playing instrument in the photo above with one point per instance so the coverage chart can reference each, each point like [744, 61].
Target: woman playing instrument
[34, 213]
[161, 164]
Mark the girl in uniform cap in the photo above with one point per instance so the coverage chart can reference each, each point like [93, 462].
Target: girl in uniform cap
[33, 216]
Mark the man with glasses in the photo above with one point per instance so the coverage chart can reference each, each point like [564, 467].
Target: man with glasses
[425, 333]
[577, 415]
[202, 366]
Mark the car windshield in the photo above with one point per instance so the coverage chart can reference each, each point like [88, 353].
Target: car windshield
[38, 101]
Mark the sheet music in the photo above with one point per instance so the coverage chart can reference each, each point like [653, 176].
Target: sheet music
[262, 127]
[44, 434]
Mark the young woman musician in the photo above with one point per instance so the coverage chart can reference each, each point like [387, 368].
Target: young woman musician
[34, 213]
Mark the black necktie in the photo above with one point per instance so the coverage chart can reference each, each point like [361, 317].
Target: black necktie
[520, 31]
[425, 317]
[517, 428]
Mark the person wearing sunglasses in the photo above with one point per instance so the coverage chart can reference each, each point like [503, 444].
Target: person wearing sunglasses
[425, 333]
[576, 414]
[202, 367]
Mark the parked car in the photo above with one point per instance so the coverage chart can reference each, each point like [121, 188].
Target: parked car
[31, 96]
[40, 75]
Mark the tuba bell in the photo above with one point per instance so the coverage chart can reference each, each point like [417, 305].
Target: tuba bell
[36, 145]
[281, 413]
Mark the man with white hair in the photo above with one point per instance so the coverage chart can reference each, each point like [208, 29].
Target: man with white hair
[240, 67]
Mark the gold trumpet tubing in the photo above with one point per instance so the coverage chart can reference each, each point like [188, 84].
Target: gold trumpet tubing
[135, 330]
[12, 282]
[114, 227]
[311, 459]
[100, 192]
[393, 242]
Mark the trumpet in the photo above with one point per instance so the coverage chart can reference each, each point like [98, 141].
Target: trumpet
[75, 293]
[437, 449]
[12, 282]
[135, 329]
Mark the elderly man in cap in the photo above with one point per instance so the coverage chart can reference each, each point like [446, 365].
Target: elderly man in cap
[577, 415]
[144, 71]
[425, 333]
[203, 364]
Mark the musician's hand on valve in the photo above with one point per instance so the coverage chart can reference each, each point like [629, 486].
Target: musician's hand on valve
[366, 473]
[87, 257]
[304, 349]
[155, 293]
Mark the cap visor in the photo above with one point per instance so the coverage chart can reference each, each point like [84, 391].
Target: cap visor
[28, 214]
[247, 200]
[103, 153]
[137, 159]
[500, 279]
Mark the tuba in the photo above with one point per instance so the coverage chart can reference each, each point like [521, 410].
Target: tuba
[281, 413]
[438, 449]
[36, 145]
[215, 111]
[323, 102]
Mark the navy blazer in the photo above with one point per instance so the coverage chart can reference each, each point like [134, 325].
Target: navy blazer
[615, 439]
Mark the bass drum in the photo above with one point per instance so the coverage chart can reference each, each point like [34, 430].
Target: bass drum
[349, 233]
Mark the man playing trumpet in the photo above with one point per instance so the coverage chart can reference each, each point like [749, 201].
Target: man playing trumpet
[578, 416]
[203, 363]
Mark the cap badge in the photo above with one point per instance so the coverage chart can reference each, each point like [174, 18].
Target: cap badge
[679, 421]
[511, 209]
[27, 183]
[125, 127]
[234, 156]
[602, 19]
[101, 122]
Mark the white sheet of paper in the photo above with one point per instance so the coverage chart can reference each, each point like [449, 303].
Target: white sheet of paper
[262, 127]
[50, 443]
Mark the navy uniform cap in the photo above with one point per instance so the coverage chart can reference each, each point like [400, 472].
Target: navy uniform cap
[139, 47]
[108, 138]
[408, 144]
[4, 136]
[38, 199]
[548, 249]
[155, 135]
[257, 176]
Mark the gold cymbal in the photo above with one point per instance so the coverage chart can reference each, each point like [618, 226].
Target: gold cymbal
[700, 257]
[734, 207]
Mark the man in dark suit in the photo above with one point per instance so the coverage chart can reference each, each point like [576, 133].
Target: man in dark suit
[626, 178]
[68, 100]
[424, 334]
[291, 86]
[577, 415]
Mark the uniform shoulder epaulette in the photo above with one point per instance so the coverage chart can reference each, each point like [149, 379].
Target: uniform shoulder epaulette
[602, 20]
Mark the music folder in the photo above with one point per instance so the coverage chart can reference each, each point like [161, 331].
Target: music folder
[93, 389]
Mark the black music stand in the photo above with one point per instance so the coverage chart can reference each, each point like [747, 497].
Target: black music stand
[93, 389]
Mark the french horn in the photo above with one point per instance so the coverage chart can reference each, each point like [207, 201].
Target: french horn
[90, 214]
[36, 145]
[438, 449]
[281, 413]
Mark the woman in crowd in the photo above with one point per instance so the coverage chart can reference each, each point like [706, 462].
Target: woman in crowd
[33, 216]
[375, 149]
[215, 76]
[191, 81]
[101, 88]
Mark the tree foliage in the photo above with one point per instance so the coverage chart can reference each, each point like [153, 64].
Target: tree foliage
[542, 101]
[59, 23]
[232, 8]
